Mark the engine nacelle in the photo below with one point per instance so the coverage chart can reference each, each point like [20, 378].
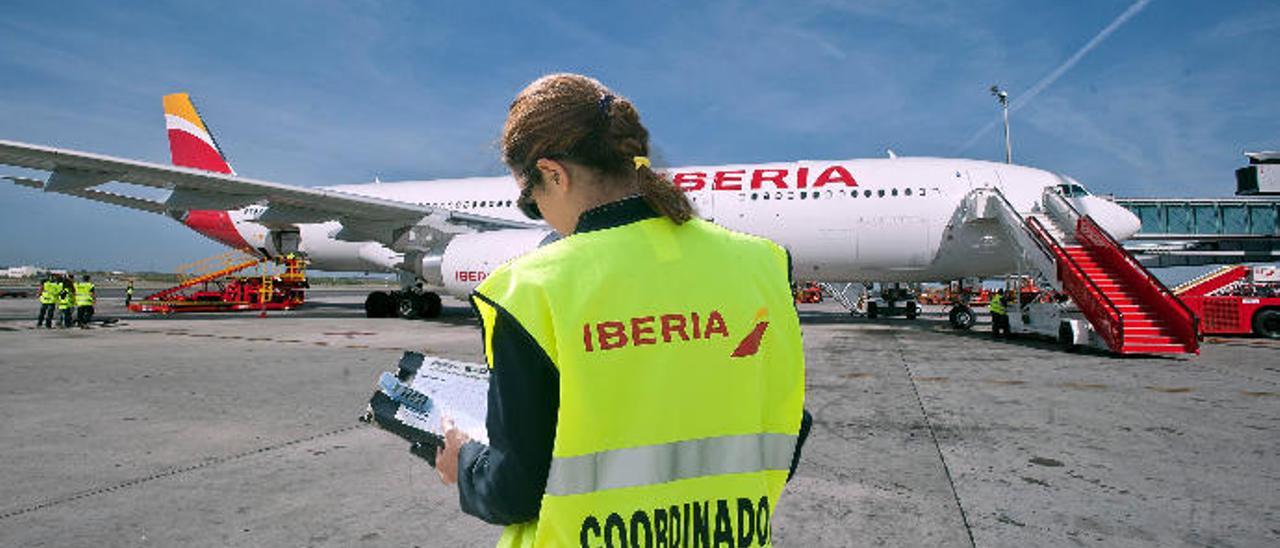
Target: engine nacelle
[469, 258]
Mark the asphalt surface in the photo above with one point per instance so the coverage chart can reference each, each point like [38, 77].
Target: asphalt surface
[237, 430]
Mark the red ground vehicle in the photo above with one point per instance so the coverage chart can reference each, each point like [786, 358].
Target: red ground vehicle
[1236, 300]
[810, 292]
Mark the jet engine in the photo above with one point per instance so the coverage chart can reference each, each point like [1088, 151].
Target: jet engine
[470, 258]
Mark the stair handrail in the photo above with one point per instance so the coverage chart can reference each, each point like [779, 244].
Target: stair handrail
[1113, 331]
[202, 278]
[1197, 283]
[1015, 218]
[1091, 227]
[1068, 210]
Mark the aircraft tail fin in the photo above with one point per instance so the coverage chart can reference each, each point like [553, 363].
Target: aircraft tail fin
[191, 144]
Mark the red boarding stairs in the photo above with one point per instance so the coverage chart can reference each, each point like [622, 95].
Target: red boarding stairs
[1132, 310]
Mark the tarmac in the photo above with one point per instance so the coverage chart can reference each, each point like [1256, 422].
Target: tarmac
[238, 430]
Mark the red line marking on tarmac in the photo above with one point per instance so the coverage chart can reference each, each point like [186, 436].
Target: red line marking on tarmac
[1170, 389]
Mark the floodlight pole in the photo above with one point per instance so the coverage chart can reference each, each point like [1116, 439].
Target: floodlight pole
[1003, 97]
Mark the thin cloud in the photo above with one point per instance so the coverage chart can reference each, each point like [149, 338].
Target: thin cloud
[1025, 98]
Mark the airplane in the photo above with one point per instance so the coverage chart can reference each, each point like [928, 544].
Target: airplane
[896, 219]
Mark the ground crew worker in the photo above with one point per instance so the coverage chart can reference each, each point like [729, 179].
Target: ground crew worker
[128, 294]
[999, 316]
[85, 293]
[637, 395]
[66, 297]
[48, 301]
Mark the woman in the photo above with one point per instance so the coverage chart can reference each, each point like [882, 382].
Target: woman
[647, 375]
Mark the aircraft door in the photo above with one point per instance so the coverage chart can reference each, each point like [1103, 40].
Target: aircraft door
[983, 178]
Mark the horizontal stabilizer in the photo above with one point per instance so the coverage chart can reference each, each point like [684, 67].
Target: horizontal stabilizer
[66, 179]
[26, 181]
[140, 204]
[284, 214]
[189, 198]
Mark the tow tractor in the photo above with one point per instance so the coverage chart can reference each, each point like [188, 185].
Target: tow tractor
[892, 300]
[217, 285]
[1236, 300]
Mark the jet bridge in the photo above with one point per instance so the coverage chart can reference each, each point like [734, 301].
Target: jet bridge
[1114, 301]
[1201, 231]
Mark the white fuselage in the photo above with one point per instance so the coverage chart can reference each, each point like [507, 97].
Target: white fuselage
[856, 220]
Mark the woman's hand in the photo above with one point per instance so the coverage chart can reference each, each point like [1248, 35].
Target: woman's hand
[447, 456]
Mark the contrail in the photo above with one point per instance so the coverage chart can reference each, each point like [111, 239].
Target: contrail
[1022, 100]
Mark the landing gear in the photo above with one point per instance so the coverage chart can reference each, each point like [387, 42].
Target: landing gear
[379, 305]
[409, 304]
[913, 310]
[873, 310]
[961, 316]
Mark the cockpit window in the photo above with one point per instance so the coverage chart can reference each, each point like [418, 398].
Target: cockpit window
[1072, 190]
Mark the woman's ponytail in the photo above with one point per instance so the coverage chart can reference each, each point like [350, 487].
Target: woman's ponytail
[663, 196]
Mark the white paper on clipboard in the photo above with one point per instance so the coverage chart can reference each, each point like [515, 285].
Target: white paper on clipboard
[459, 390]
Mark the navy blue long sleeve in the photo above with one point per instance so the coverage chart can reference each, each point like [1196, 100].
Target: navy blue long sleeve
[502, 483]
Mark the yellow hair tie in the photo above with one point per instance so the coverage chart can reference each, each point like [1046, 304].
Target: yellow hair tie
[641, 161]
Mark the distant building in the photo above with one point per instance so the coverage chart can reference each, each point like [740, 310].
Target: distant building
[21, 272]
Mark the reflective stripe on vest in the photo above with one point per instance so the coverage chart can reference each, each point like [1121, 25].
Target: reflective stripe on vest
[653, 464]
[681, 384]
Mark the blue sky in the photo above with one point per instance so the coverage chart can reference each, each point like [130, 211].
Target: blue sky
[318, 93]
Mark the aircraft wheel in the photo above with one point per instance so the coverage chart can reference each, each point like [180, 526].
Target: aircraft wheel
[1266, 323]
[378, 305]
[431, 305]
[913, 310]
[961, 317]
[410, 306]
[873, 310]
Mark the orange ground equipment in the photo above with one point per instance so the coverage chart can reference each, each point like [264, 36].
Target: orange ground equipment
[217, 284]
[1235, 300]
[810, 293]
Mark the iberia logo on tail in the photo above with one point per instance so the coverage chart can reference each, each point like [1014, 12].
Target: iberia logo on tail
[191, 144]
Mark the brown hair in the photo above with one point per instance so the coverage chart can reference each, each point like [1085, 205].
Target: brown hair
[576, 118]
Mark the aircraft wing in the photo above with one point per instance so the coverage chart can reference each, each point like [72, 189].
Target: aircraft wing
[363, 217]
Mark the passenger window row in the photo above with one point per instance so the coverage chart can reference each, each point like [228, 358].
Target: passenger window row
[817, 194]
[470, 204]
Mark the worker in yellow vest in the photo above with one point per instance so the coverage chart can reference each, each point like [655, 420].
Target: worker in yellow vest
[48, 301]
[638, 396]
[999, 316]
[128, 294]
[85, 296]
[66, 301]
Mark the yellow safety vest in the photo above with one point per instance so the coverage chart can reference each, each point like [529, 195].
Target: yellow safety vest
[997, 304]
[84, 293]
[65, 297]
[49, 292]
[681, 383]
